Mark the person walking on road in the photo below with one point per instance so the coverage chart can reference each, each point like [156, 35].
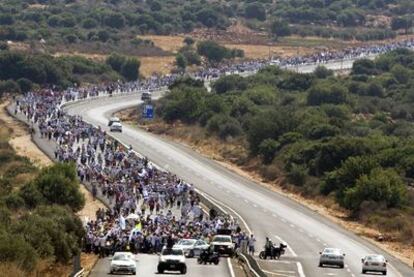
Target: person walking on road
[252, 241]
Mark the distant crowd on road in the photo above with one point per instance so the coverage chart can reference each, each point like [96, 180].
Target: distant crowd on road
[157, 82]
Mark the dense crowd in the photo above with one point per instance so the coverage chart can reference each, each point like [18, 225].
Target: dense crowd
[148, 207]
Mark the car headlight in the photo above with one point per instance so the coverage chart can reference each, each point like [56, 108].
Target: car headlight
[162, 259]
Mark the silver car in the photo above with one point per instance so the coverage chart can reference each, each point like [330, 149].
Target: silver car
[192, 247]
[374, 263]
[332, 256]
[116, 127]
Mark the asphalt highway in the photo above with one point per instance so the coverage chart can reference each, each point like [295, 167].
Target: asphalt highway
[265, 212]
[147, 266]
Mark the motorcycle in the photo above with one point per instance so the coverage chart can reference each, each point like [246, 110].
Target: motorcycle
[273, 252]
[208, 257]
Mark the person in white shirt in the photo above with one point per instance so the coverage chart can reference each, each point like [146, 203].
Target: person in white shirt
[252, 241]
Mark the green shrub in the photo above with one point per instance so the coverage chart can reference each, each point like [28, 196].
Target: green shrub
[381, 186]
[58, 184]
[14, 248]
[268, 149]
[297, 174]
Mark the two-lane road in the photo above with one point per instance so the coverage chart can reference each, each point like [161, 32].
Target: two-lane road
[266, 212]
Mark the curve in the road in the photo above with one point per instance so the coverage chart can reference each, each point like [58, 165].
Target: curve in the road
[269, 213]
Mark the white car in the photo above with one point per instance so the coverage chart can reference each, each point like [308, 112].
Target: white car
[192, 247]
[116, 127]
[332, 256]
[374, 263]
[223, 244]
[123, 262]
[172, 259]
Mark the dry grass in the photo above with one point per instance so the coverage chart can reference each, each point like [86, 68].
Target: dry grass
[10, 269]
[90, 208]
[166, 43]
[94, 57]
[262, 51]
[21, 141]
[159, 65]
[88, 261]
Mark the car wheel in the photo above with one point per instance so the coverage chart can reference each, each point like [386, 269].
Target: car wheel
[341, 266]
[364, 271]
[320, 264]
[384, 273]
[160, 270]
[183, 270]
[216, 262]
[134, 273]
[191, 254]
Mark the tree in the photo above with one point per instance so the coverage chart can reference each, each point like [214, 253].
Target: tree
[380, 186]
[155, 6]
[25, 84]
[207, 17]
[103, 35]
[130, 69]
[14, 248]
[184, 103]
[280, 28]
[268, 149]
[229, 83]
[114, 20]
[189, 41]
[58, 184]
[214, 52]
[401, 23]
[115, 61]
[255, 10]
[364, 66]
[321, 72]
[327, 93]
[89, 23]
[347, 175]
[181, 61]
[400, 73]
[6, 19]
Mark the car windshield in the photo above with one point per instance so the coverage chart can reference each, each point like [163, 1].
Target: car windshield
[222, 239]
[332, 251]
[375, 258]
[186, 242]
[171, 251]
[121, 257]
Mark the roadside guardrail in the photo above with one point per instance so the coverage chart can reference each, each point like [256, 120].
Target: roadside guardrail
[80, 273]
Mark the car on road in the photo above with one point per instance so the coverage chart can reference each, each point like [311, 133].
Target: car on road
[172, 259]
[192, 247]
[113, 120]
[374, 263]
[123, 262]
[332, 256]
[223, 244]
[146, 96]
[116, 127]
